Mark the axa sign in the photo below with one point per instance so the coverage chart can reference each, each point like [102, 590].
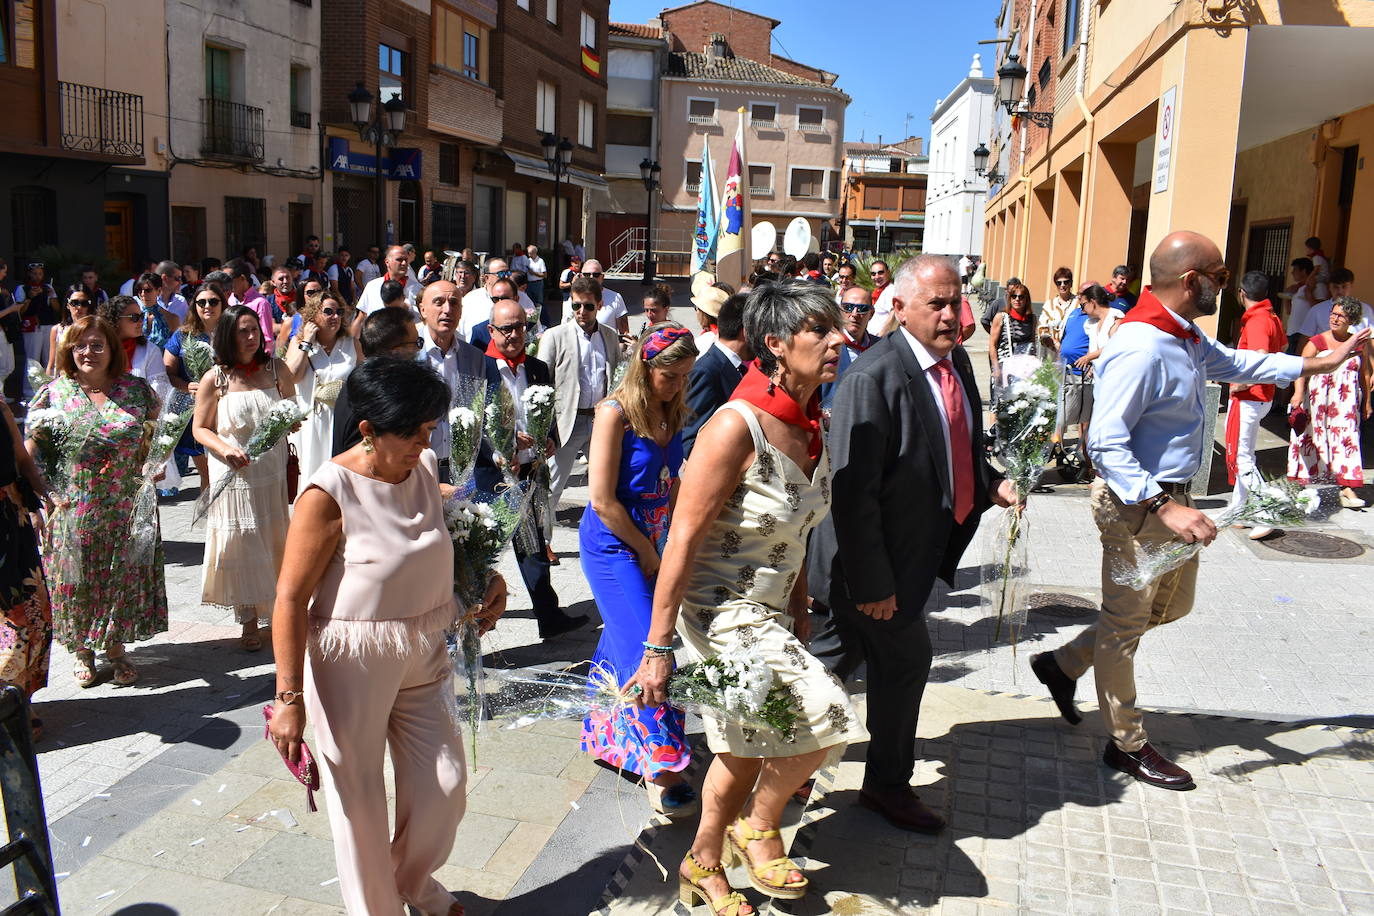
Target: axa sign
[403, 164]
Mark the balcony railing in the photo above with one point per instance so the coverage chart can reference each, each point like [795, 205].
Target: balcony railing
[764, 124]
[693, 187]
[761, 190]
[300, 119]
[103, 121]
[232, 131]
[811, 127]
[709, 120]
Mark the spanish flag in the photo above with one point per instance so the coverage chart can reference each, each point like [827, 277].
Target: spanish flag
[591, 62]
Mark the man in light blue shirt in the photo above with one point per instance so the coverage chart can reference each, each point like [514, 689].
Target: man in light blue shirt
[1146, 442]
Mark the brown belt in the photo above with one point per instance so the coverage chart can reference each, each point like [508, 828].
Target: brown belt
[1170, 487]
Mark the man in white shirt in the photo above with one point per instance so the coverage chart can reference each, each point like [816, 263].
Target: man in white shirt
[536, 270]
[477, 302]
[613, 313]
[370, 267]
[430, 270]
[965, 270]
[583, 355]
[458, 362]
[1318, 320]
[1301, 302]
[397, 268]
[170, 297]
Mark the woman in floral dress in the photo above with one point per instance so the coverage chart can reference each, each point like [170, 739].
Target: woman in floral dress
[635, 453]
[1329, 447]
[25, 612]
[101, 598]
[245, 534]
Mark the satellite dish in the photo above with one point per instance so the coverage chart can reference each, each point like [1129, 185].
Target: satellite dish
[702, 280]
[797, 239]
[762, 238]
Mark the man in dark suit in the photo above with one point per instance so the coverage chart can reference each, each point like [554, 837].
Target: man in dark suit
[910, 482]
[506, 355]
[717, 371]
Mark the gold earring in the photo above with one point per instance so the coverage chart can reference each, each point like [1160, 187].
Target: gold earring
[367, 445]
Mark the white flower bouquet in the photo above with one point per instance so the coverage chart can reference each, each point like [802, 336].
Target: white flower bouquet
[279, 420]
[466, 424]
[37, 375]
[59, 439]
[1276, 503]
[1027, 404]
[165, 433]
[196, 356]
[501, 426]
[539, 405]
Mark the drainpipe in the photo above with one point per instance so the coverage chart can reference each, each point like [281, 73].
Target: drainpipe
[1089, 139]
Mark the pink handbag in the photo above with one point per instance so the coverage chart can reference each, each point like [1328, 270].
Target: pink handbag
[306, 773]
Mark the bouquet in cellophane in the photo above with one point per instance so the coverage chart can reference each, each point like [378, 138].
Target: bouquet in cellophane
[279, 420]
[1275, 503]
[539, 405]
[466, 423]
[60, 438]
[196, 356]
[177, 410]
[1027, 404]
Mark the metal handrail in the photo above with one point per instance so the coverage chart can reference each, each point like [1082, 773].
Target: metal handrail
[98, 120]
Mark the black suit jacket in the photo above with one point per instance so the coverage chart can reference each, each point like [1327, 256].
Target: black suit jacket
[712, 381]
[891, 526]
[481, 336]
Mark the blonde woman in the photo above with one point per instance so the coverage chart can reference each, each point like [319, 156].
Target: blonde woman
[634, 457]
[319, 358]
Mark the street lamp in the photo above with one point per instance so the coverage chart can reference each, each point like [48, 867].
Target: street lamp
[980, 159]
[1011, 82]
[648, 173]
[381, 130]
[558, 158]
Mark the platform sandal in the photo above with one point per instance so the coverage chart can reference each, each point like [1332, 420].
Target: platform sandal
[737, 839]
[690, 890]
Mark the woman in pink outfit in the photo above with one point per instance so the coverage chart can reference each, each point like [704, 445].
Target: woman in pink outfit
[364, 597]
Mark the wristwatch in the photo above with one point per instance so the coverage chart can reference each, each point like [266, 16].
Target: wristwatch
[305, 347]
[287, 697]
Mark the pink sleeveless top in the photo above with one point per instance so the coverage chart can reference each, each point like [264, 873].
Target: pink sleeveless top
[389, 586]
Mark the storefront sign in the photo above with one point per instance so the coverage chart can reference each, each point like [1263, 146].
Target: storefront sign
[398, 164]
[1164, 137]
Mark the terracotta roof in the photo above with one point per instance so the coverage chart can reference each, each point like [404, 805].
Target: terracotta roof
[636, 30]
[693, 65]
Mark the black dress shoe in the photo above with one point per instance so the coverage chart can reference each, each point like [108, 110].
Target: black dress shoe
[903, 809]
[1061, 686]
[565, 625]
[1149, 766]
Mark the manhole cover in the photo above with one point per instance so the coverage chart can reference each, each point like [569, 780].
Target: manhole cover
[1312, 544]
[1058, 604]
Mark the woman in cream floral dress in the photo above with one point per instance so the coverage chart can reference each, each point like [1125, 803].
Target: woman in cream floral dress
[731, 577]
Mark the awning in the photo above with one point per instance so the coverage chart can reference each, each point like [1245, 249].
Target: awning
[538, 168]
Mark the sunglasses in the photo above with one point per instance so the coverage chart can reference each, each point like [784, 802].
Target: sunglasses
[499, 274]
[588, 273]
[504, 299]
[585, 306]
[136, 317]
[84, 303]
[1063, 282]
[207, 303]
[89, 348]
[330, 313]
[508, 330]
[1023, 296]
[855, 308]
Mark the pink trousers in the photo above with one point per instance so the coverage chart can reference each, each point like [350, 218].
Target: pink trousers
[360, 706]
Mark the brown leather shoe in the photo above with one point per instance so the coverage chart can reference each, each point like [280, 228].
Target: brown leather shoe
[1149, 766]
[1061, 686]
[903, 809]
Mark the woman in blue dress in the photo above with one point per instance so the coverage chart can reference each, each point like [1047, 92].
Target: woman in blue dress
[207, 305]
[633, 462]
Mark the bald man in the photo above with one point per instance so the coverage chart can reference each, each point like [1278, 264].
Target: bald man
[454, 359]
[397, 268]
[1146, 442]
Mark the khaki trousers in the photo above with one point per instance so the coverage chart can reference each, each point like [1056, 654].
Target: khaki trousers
[360, 706]
[1110, 644]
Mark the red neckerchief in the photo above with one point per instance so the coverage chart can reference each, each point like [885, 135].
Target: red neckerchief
[860, 346]
[497, 354]
[878, 290]
[754, 388]
[247, 368]
[1152, 312]
[1019, 316]
[130, 346]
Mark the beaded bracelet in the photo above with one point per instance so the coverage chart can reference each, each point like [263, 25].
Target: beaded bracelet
[650, 648]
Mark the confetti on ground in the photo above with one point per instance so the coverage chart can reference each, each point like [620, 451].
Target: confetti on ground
[241, 829]
[1282, 599]
[101, 795]
[575, 806]
[198, 842]
[197, 802]
[160, 852]
[86, 842]
[106, 894]
[333, 880]
[223, 786]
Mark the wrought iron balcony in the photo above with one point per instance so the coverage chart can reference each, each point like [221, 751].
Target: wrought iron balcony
[102, 121]
[300, 119]
[232, 131]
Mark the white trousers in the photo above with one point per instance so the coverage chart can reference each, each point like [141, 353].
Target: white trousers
[1247, 474]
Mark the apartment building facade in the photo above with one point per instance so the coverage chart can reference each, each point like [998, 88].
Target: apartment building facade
[957, 195]
[884, 196]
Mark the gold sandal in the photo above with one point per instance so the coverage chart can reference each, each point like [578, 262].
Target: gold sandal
[689, 890]
[738, 837]
[125, 674]
[84, 669]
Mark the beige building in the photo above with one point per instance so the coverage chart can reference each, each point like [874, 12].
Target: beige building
[1248, 122]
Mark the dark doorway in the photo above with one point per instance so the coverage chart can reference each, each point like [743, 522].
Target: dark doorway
[1345, 198]
[299, 220]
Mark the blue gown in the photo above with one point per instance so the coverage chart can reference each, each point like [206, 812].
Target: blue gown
[649, 741]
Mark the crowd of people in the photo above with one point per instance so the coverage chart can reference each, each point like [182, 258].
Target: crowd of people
[788, 480]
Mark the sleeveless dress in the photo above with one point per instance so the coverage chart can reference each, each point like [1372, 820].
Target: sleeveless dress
[1330, 446]
[245, 528]
[649, 741]
[738, 592]
[319, 389]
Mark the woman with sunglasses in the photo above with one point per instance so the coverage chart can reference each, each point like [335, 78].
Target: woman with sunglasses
[158, 323]
[101, 597]
[1055, 310]
[207, 305]
[319, 358]
[1013, 331]
[78, 306]
[143, 357]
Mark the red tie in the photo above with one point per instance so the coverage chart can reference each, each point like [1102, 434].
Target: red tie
[960, 443]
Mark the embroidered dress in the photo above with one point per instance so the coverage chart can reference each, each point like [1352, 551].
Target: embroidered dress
[319, 389]
[245, 528]
[1330, 446]
[649, 741]
[738, 592]
[98, 595]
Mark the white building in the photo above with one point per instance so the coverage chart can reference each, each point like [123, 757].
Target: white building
[245, 144]
[954, 202]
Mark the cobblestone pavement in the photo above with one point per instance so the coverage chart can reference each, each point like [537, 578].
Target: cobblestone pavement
[1284, 816]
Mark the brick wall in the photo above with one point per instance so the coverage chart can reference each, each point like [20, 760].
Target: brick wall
[1045, 47]
[350, 31]
[749, 35]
